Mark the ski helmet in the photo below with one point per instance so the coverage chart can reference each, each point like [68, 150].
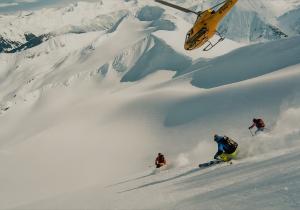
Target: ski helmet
[216, 137]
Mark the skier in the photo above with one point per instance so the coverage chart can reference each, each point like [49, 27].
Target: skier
[160, 160]
[260, 125]
[227, 148]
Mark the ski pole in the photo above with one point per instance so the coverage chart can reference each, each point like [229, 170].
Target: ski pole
[251, 132]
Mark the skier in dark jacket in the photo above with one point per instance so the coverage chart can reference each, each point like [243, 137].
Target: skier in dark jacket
[227, 148]
[259, 124]
[160, 160]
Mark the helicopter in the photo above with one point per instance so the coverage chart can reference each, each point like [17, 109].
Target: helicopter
[205, 26]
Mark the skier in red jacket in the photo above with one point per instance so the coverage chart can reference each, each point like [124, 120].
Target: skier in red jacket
[259, 124]
[160, 160]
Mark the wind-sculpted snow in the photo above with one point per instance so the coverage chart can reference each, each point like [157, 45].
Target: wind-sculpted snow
[284, 135]
[240, 24]
[6, 45]
[103, 22]
[291, 21]
[33, 42]
[246, 100]
[64, 51]
[157, 55]
[246, 63]
[155, 15]
[149, 13]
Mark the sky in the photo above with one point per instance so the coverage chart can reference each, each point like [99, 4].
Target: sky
[8, 6]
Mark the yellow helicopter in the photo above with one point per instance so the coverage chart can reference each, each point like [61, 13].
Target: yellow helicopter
[205, 27]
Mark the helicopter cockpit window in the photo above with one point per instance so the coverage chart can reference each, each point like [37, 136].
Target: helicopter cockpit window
[202, 31]
[188, 35]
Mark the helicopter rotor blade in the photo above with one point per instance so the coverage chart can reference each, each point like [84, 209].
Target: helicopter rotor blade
[218, 4]
[176, 7]
[199, 13]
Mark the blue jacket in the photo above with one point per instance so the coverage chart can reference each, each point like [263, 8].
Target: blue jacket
[222, 146]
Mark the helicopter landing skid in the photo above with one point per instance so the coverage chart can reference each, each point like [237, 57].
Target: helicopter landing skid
[212, 45]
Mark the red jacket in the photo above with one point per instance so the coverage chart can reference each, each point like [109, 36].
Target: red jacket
[259, 123]
[160, 160]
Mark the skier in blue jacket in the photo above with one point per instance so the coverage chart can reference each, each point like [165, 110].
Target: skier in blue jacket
[227, 148]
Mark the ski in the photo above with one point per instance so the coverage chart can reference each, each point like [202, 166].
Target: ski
[211, 163]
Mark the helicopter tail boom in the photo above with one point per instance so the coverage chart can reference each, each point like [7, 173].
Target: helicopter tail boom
[228, 4]
[177, 7]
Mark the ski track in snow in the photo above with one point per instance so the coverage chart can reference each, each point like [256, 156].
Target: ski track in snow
[84, 113]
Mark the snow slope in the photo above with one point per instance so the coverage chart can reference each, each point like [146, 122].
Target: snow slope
[84, 113]
[251, 185]
[266, 176]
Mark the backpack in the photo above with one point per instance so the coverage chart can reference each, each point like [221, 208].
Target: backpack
[230, 145]
[260, 123]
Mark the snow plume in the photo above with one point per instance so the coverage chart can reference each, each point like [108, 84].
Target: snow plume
[199, 154]
[281, 136]
[284, 136]
[182, 160]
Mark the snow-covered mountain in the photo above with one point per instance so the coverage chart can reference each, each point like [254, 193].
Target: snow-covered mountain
[290, 21]
[249, 21]
[91, 92]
